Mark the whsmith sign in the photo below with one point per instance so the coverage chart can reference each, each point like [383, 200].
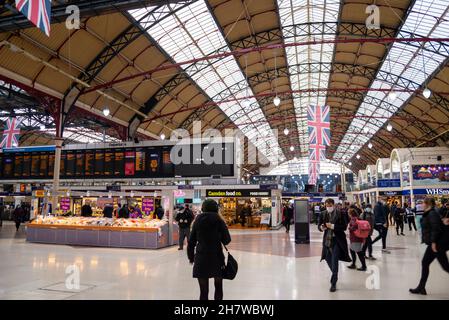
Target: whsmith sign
[429, 191]
[238, 193]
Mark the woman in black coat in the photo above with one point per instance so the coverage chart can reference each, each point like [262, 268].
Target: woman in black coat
[208, 233]
[432, 229]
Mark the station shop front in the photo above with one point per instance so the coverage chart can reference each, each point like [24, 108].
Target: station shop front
[247, 208]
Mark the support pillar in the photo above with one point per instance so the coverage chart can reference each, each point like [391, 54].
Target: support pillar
[57, 166]
[168, 203]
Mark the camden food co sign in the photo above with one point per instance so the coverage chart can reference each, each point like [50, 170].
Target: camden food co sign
[256, 193]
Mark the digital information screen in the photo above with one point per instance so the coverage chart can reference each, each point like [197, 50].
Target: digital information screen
[43, 169]
[35, 165]
[99, 163]
[119, 163]
[18, 162]
[130, 162]
[79, 166]
[70, 164]
[108, 162]
[89, 165]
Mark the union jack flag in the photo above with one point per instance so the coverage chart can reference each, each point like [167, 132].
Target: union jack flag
[37, 11]
[317, 152]
[11, 133]
[319, 125]
[314, 171]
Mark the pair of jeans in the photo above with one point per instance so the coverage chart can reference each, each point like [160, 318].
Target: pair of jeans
[183, 233]
[361, 255]
[399, 225]
[383, 231]
[427, 260]
[411, 222]
[204, 288]
[332, 259]
[368, 245]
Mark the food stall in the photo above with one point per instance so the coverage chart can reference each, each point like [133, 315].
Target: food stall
[102, 232]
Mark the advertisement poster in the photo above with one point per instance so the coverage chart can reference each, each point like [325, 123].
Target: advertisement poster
[431, 174]
[64, 204]
[130, 166]
[147, 205]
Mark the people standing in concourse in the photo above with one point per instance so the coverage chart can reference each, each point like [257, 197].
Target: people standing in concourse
[334, 223]
[434, 234]
[381, 213]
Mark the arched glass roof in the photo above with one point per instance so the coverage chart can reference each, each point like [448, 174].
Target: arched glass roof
[301, 167]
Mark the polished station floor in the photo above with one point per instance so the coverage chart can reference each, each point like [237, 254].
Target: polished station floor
[271, 266]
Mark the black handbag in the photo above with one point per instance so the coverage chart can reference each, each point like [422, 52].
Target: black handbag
[231, 267]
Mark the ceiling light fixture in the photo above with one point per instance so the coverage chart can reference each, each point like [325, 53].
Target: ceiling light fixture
[292, 148]
[392, 96]
[389, 127]
[357, 156]
[370, 145]
[286, 131]
[277, 101]
[106, 111]
[426, 93]
[162, 136]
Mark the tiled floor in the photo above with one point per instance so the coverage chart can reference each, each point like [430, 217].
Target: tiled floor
[271, 266]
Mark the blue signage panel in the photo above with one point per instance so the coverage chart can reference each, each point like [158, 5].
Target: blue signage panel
[29, 149]
[429, 191]
[389, 183]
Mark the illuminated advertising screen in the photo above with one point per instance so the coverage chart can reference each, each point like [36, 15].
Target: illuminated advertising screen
[154, 162]
[130, 165]
[430, 174]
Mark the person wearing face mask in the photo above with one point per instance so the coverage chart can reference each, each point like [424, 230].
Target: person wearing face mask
[334, 223]
[381, 213]
[368, 245]
[432, 233]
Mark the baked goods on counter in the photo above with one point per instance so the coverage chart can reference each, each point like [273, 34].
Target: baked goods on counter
[113, 223]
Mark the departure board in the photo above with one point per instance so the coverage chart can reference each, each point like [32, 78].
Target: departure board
[140, 162]
[108, 162]
[43, 170]
[112, 162]
[35, 165]
[18, 163]
[26, 165]
[8, 165]
[119, 163]
[79, 164]
[89, 164]
[99, 163]
[70, 163]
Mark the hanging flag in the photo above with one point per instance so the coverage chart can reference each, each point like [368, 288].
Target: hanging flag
[319, 125]
[317, 152]
[314, 171]
[37, 11]
[11, 133]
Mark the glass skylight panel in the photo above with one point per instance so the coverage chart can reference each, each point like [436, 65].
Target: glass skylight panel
[300, 166]
[409, 61]
[294, 12]
[192, 33]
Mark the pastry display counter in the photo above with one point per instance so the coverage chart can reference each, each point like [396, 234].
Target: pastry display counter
[101, 232]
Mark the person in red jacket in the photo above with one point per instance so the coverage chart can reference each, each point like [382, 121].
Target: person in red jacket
[356, 244]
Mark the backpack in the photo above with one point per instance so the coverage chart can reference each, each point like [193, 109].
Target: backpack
[363, 229]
